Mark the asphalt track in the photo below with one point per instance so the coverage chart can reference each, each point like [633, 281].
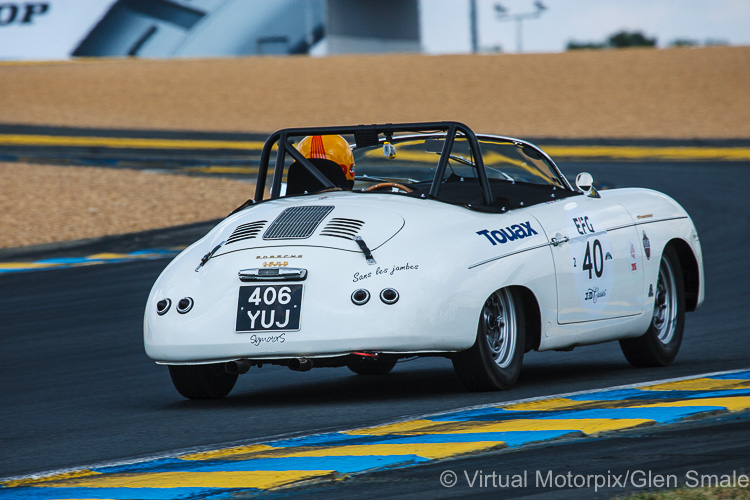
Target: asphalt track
[76, 387]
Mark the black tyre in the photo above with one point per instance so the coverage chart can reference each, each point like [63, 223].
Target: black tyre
[659, 345]
[494, 361]
[371, 366]
[202, 381]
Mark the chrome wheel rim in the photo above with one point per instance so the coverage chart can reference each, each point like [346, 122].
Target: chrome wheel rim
[665, 304]
[499, 326]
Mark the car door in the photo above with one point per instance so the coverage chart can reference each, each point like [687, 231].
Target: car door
[598, 263]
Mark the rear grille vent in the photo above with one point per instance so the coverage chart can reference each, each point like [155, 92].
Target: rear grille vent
[342, 228]
[246, 231]
[296, 222]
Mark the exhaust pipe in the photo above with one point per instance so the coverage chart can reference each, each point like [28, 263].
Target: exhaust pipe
[300, 364]
[237, 367]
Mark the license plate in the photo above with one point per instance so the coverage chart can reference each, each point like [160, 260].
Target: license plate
[269, 308]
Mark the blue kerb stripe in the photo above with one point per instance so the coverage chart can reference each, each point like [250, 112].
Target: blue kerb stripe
[510, 438]
[43, 493]
[66, 262]
[635, 394]
[721, 394]
[343, 464]
[659, 414]
[646, 396]
[330, 439]
[732, 376]
[158, 465]
[62, 260]
[491, 413]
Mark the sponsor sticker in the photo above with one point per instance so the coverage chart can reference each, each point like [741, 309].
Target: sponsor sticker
[593, 262]
[504, 235]
[632, 257]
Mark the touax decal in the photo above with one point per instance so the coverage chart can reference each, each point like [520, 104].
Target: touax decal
[509, 233]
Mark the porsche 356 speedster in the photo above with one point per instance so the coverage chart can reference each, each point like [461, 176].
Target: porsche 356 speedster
[364, 245]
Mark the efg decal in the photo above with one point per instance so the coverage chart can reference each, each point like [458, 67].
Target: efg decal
[510, 233]
[584, 225]
[646, 246]
[592, 260]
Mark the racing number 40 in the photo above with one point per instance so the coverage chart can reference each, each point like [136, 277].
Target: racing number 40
[593, 261]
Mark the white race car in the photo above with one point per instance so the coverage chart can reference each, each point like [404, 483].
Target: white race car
[447, 243]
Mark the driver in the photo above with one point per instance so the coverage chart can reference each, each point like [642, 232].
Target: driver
[330, 147]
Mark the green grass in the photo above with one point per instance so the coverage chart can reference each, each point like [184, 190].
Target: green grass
[693, 494]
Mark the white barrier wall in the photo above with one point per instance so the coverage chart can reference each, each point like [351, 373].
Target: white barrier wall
[59, 29]
[48, 29]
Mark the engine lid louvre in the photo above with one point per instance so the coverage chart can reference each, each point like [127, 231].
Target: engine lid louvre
[297, 222]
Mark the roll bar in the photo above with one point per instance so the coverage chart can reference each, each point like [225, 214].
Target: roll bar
[365, 135]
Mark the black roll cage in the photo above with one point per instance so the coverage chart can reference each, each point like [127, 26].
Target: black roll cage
[369, 135]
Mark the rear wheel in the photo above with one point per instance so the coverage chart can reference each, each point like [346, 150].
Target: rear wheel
[494, 361]
[659, 345]
[202, 381]
[371, 366]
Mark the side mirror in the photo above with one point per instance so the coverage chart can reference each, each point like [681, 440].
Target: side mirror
[389, 150]
[584, 181]
[585, 184]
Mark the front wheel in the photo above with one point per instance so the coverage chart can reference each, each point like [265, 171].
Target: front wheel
[659, 345]
[494, 361]
[202, 381]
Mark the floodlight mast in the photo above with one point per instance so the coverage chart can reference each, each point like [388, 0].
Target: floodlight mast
[474, 29]
[502, 15]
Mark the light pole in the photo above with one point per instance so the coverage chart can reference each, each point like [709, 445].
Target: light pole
[473, 26]
[502, 15]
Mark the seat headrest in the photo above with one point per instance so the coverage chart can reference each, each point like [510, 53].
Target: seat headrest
[299, 179]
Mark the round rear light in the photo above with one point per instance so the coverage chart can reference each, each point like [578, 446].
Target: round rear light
[360, 297]
[389, 296]
[163, 306]
[184, 305]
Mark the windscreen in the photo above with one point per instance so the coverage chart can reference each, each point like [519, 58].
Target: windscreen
[414, 160]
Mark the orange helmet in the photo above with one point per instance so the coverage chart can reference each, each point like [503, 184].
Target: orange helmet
[329, 147]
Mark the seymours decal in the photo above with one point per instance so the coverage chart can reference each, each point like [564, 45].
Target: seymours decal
[510, 233]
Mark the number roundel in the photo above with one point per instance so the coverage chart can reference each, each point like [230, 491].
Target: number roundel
[591, 261]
